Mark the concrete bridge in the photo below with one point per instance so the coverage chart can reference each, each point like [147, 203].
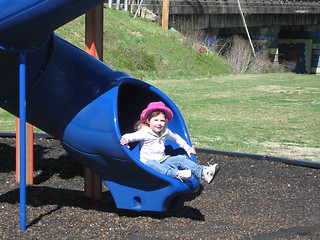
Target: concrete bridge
[218, 14]
[291, 27]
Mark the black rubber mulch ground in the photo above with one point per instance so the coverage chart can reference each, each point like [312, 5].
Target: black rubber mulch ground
[249, 199]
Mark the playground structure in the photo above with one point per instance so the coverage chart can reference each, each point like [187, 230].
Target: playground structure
[81, 101]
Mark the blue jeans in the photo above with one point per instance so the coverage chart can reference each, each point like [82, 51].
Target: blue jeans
[171, 165]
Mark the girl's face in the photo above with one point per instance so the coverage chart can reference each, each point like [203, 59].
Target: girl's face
[157, 123]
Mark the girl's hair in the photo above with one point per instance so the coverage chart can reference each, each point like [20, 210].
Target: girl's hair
[141, 123]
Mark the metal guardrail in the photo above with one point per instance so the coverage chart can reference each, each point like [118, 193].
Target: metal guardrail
[231, 6]
[303, 2]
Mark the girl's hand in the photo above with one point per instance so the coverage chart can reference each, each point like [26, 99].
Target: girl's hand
[191, 150]
[124, 141]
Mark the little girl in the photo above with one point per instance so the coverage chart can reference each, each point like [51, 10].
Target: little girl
[152, 132]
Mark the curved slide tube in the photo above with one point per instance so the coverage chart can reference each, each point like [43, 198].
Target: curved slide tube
[87, 106]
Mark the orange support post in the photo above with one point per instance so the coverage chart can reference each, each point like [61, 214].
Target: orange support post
[94, 32]
[93, 46]
[29, 152]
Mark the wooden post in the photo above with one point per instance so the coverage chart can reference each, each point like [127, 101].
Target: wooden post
[94, 32]
[94, 47]
[29, 152]
[165, 14]
[92, 185]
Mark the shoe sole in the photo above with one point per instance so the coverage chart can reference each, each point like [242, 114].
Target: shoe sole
[216, 170]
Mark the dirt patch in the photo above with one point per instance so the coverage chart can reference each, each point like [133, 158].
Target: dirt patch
[292, 151]
[277, 89]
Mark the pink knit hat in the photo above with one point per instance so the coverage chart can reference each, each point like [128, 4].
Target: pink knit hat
[153, 106]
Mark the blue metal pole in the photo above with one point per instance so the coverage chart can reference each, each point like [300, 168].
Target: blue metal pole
[22, 142]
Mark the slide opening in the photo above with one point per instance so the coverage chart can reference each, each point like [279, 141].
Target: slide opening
[132, 99]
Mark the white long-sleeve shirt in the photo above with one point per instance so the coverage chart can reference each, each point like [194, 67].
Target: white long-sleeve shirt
[152, 146]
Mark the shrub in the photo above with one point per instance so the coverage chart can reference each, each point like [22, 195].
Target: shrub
[238, 53]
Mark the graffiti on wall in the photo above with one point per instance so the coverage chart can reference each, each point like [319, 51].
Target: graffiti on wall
[295, 54]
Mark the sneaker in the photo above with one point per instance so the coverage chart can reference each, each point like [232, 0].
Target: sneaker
[184, 174]
[209, 172]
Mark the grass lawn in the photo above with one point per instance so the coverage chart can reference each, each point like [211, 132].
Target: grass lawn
[271, 114]
[7, 121]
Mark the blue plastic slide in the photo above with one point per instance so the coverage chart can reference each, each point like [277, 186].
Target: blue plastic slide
[83, 102]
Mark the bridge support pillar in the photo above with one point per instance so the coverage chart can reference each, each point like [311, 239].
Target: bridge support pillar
[314, 33]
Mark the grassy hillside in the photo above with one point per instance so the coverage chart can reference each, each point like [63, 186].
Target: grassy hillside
[145, 50]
